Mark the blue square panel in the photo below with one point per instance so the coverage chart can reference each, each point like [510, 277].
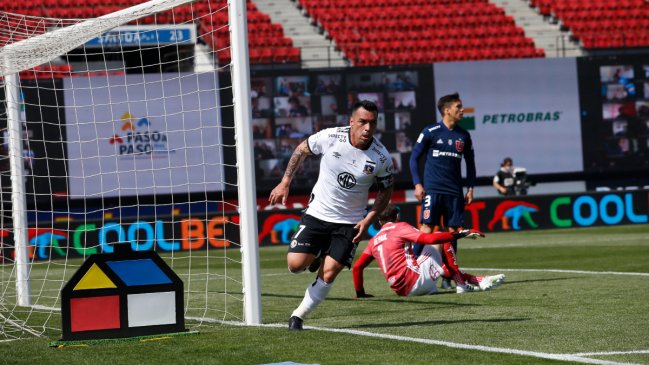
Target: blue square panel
[139, 272]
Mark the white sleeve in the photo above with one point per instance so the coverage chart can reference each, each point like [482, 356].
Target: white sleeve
[384, 176]
[317, 142]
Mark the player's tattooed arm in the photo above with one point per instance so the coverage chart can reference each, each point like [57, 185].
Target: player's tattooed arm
[301, 151]
[280, 193]
[382, 199]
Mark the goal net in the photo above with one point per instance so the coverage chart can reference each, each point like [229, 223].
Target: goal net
[118, 127]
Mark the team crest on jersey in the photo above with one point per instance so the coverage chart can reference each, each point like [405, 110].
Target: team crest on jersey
[450, 142]
[426, 213]
[369, 167]
[459, 145]
[346, 180]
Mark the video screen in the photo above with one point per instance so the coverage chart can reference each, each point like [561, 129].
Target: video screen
[265, 149]
[328, 84]
[292, 106]
[261, 106]
[614, 91]
[365, 81]
[260, 86]
[616, 110]
[376, 97]
[329, 105]
[402, 100]
[293, 127]
[617, 74]
[291, 86]
[289, 108]
[625, 112]
[262, 128]
[384, 81]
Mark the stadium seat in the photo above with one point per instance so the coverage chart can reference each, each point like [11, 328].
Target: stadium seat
[399, 28]
[601, 23]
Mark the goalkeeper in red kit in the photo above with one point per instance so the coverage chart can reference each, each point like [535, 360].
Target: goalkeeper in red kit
[409, 275]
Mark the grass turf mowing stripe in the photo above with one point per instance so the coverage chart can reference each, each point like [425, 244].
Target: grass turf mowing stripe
[521, 270]
[542, 355]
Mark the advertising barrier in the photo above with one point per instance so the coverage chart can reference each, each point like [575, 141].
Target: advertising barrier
[276, 227]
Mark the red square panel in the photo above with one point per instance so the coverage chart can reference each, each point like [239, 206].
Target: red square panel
[94, 313]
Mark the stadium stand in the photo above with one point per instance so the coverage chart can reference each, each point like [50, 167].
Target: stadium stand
[382, 32]
[388, 32]
[267, 42]
[601, 23]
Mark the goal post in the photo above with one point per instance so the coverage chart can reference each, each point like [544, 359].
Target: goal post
[18, 200]
[76, 129]
[245, 163]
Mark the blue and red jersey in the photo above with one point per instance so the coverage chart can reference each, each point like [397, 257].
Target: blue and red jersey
[444, 150]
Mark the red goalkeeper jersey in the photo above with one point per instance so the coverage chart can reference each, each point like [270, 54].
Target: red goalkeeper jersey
[392, 248]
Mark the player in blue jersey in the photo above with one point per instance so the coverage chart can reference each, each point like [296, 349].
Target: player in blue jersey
[441, 192]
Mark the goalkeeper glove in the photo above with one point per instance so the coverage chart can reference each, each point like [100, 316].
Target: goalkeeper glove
[469, 233]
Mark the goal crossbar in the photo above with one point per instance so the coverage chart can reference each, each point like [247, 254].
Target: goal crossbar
[34, 51]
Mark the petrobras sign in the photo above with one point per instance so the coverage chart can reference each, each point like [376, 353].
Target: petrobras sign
[526, 109]
[149, 35]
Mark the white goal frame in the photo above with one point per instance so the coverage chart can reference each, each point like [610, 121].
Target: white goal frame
[12, 61]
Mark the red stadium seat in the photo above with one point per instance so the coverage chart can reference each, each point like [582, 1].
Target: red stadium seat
[601, 23]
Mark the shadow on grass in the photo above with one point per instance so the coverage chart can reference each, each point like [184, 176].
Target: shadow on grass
[419, 300]
[438, 322]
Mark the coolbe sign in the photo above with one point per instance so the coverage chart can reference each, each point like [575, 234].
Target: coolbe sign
[587, 210]
[163, 235]
[559, 211]
[525, 109]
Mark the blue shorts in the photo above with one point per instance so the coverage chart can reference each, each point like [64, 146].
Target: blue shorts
[436, 207]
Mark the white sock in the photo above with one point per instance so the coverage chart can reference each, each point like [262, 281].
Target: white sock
[314, 294]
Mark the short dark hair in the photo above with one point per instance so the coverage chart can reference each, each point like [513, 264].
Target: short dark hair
[507, 159]
[367, 105]
[389, 214]
[446, 101]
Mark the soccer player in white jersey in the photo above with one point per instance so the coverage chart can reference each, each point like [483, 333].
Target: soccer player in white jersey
[337, 217]
[409, 275]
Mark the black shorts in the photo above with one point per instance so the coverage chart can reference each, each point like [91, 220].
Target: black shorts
[322, 238]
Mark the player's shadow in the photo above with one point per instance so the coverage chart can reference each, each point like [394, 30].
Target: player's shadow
[423, 301]
[438, 322]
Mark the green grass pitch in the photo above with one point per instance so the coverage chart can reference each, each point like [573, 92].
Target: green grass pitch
[571, 296]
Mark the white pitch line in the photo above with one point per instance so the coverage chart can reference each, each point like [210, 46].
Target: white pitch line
[542, 355]
[609, 353]
[564, 271]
